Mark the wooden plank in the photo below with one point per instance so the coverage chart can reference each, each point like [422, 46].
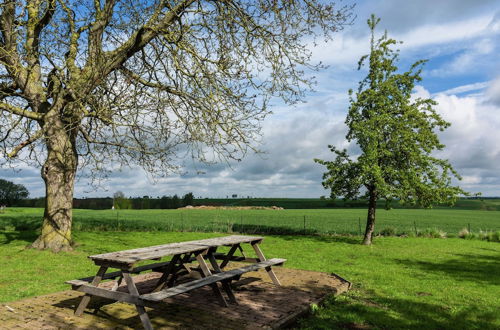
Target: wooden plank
[169, 270]
[135, 270]
[129, 257]
[217, 277]
[269, 270]
[132, 256]
[215, 287]
[83, 286]
[225, 284]
[132, 289]
[86, 299]
[222, 256]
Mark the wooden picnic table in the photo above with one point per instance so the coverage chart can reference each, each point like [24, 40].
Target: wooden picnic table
[181, 263]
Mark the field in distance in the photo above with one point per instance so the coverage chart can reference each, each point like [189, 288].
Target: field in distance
[486, 203]
[292, 221]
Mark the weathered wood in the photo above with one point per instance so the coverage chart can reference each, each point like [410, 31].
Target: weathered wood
[214, 278]
[83, 286]
[207, 273]
[169, 269]
[130, 257]
[261, 257]
[229, 255]
[132, 289]
[225, 283]
[222, 256]
[135, 270]
[86, 299]
[118, 283]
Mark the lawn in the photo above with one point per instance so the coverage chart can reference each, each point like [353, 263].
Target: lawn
[397, 282]
[311, 221]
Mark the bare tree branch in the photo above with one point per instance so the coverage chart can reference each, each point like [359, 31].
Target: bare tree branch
[38, 134]
[19, 111]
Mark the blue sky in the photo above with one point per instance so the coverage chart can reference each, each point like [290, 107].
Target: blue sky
[460, 39]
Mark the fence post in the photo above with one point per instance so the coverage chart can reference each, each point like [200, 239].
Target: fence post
[304, 224]
[415, 226]
[359, 225]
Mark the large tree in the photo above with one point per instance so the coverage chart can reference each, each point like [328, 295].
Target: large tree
[86, 83]
[11, 192]
[397, 137]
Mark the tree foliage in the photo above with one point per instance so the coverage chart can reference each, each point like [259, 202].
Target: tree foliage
[87, 83]
[397, 137]
[10, 192]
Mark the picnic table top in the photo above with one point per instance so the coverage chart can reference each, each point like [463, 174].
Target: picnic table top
[132, 256]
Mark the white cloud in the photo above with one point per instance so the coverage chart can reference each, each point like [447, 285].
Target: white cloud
[466, 88]
[472, 140]
[493, 92]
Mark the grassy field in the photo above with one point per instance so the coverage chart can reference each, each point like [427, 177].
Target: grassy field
[410, 283]
[486, 204]
[321, 221]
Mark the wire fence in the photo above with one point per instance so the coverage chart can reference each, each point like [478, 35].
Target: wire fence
[352, 222]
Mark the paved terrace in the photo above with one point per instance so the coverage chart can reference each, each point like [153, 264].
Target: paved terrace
[261, 305]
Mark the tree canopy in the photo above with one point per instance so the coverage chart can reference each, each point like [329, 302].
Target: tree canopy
[87, 84]
[11, 192]
[397, 136]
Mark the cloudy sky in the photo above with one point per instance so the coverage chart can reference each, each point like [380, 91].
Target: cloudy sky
[461, 40]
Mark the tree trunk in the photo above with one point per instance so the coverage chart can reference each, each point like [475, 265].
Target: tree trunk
[58, 172]
[370, 220]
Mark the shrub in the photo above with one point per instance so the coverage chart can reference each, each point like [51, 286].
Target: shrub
[388, 231]
[490, 236]
[463, 233]
[432, 233]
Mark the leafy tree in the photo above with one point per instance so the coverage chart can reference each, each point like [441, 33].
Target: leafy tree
[11, 192]
[396, 135]
[188, 199]
[85, 83]
[120, 201]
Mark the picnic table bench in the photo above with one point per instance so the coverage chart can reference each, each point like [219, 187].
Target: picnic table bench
[183, 255]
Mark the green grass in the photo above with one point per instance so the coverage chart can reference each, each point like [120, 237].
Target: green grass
[397, 283]
[319, 221]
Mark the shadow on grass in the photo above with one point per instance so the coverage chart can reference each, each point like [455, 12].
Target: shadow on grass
[393, 313]
[7, 237]
[471, 267]
[292, 234]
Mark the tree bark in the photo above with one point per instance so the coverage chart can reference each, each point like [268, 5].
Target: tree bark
[370, 220]
[58, 172]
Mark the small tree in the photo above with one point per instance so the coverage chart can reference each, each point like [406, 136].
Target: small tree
[120, 201]
[188, 199]
[396, 135]
[11, 192]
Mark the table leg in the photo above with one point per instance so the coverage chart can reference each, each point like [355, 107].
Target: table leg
[229, 255]
[261, 257]
[132, 289]
[177, 269]
[207, 272]
[225, 284]
[170, 269]
[117, 284]
[86, 299]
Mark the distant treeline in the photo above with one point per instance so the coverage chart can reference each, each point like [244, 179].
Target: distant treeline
[136, 203]
[174, 202]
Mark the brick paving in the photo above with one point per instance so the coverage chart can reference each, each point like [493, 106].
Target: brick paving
[261, 305]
